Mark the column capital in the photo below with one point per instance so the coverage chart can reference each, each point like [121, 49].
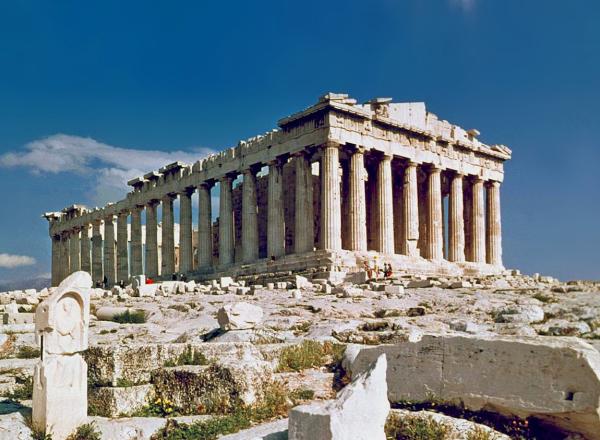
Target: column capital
[435, 169]
[110, 217]
[411, 163]
[492, 183]
[207, 184]
[152, 202]
[252, 169]
[278, 161]
[477, 179]
[330, 144]
[187, 191]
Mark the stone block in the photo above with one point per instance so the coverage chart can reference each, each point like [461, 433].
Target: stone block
[359, 411]
[420, 284]
[119, 401]
[394, 289]
[146, 290]
[554, 379]
[239, 316]
[225, 282]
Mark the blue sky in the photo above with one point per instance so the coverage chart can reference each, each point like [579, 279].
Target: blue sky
[92, 92]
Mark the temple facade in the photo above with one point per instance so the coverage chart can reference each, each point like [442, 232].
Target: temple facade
[336, 186]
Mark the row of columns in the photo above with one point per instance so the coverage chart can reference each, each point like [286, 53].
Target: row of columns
[114, 263]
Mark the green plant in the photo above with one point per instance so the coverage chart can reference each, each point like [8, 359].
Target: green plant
[27, 352]
[129, 317]
[410, 427]
[87, 431]
[36, 434]
[188, 357]
[23, 391]
[160, 407]
[124, 383]
[309, 354]
[302, 394]
[478, 433]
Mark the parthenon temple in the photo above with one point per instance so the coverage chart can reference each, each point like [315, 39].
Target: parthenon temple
[337, 185]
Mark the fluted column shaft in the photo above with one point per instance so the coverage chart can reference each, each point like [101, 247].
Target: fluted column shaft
[331, 210]
[205, 238]
[136, 241]
[151, 240]
[122, 248]
[86, 264]
[435, 231]
[357, 204]
[478, 223]
[304, 231]
[97, 272]
[456, 222]
[168, 237]
[249, 217]
[56, 260]
[275, 219]
[74, 258]
[410, 211]
[226, 237]
[109, 251]
[385, 207]
[494, 225]
[186, 253]
[65, 266]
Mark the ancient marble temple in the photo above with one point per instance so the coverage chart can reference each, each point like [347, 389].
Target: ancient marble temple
[337, 185]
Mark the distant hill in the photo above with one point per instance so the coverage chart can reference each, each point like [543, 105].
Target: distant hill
[32, 283]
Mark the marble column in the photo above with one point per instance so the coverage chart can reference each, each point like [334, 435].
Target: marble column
[304, 234]
[385, 207]
[456, 222]
[56, 260]
[109, 250]
[410, 211]
[86, 264]
[249, 217]
[151, 240]
[478, 222]
[65, 256]
[205, 237]
[168, 237]
[435, 232]
[186, 251]
[74, 249]
[122, 248]
[331, 221]
[494, 225]
[275, 219]
[137, 247]
[226, 234]
[357, 204]
[97, 272]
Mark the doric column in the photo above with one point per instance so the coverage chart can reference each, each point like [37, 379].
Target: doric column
[109, 250]
[56, 261]
[186, 252]
[478, 223]
[249, 217]
[410, 211]
[136, 241]
[435, 232]
[456, 223]
[168, 237]
[226, 242]
[385, 207]
[122, 248]
[151, 239]
[304, 233]
[205, 238]
[331, 221]
[494, 225]
[74, 249]
[97, 272]
[357, 204]
[275, 219]
[65, 256]
[86, 264]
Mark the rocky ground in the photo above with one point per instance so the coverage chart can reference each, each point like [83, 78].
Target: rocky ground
[173, 356]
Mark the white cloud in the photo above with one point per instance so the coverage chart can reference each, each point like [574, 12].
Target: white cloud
[12, 261]
[108, 167]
